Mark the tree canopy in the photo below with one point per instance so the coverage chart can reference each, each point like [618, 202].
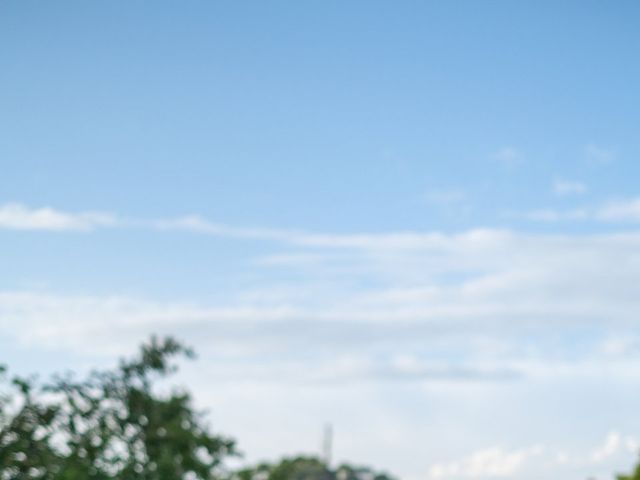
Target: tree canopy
[111, 424]
[308, 468]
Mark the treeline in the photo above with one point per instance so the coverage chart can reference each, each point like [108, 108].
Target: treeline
[113, 424]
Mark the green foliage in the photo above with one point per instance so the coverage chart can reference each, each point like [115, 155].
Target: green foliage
[112, 424]
[634, 476]
[25, 432]
[308, 468]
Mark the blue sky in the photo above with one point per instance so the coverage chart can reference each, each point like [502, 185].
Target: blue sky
[416, 220]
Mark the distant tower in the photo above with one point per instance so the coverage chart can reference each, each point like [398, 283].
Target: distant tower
[327, 441]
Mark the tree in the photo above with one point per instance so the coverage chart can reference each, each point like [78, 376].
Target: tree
[25, 431]
[308, 468]
[112, 424]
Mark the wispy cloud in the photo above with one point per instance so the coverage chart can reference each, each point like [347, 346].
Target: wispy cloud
[551, 215]
[611, 445]
[16, 216]
[394, 240]
[620, 210]
[198, 224]
[463, 294]
[612, 211]
[568, 187]
[20, 217]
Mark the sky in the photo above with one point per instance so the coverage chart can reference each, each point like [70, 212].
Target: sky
[417, 221]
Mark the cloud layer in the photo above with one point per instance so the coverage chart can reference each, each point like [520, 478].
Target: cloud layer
[391, 333]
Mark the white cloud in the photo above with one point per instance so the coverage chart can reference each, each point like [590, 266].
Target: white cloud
[539, 461]
[15, 216]
[568, 187]
[620, 210]
[550, 215]
[612, 443]
[493, 462]
[632, 444]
